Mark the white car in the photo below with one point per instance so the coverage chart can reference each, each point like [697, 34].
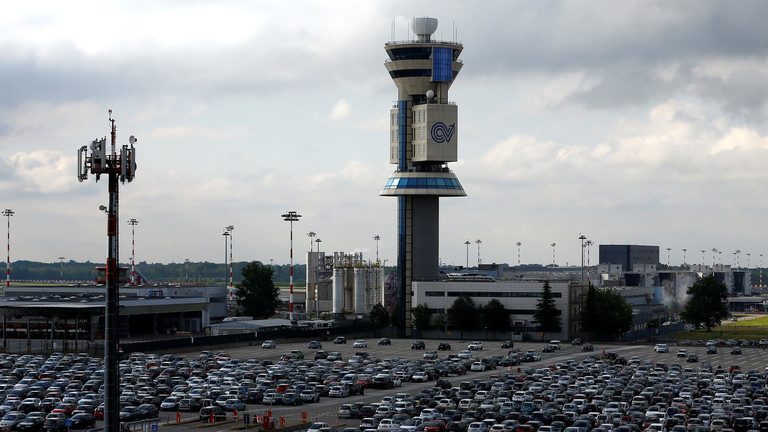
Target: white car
[661, 348]
[315, 427]
[477, 367]
[475, 346]
[269, 344]
[420, 377]
[360, 344]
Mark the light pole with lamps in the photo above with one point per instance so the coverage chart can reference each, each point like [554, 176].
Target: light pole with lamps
[467, 243]
[377, 238]
[703, 257]
[588, 244]
[133, 223]
[668, 249]
[231, 230]
[226, 235]
[519, 244]
[478, 242]
[8, 213]
[684, 251]
[61, 267]
[291, 217]
[317, 279]
[582, 237]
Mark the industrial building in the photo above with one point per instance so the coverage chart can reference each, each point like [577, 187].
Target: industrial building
[423, 139]
[628, 255]
[342, 283]
[45, 311]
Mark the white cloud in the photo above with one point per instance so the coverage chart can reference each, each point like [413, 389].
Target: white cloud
[340, 110]
[44, 171]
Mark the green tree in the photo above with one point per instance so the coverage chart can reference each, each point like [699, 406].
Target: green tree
[421, 317]
[614, 314]
[462, 314]
[441, 321]
[707, 303]
[547, 315]
[379, 317]
[588, 318]
[495, 317]
[257, 293]
[605, 313]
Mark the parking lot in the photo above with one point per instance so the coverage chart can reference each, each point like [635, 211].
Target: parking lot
[252, 379]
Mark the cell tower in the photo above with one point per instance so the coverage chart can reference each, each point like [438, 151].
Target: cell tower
[117, 166]
[423, 139]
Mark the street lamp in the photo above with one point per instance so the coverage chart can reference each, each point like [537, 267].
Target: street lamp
[478, 242]
[684, 251]
[588, 244]
[226, 235]
[582, 237]
[668, 249]
[8, 213]
[702, 257]
[518, 252]
[61, 265]
[291, 217]
[467, 243]
[317, 279]
[231, 230]
[377, 238]
[714, 251]
[133, 223]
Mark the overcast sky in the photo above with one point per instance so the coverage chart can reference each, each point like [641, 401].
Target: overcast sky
[631, 122]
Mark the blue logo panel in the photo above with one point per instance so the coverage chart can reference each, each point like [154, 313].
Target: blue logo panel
[441, 132]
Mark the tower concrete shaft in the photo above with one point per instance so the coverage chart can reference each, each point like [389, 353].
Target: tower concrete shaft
[423, 139]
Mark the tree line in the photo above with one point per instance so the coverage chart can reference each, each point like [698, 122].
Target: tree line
[199, 272]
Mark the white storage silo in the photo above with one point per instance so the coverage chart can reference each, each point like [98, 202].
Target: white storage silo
[338, 290]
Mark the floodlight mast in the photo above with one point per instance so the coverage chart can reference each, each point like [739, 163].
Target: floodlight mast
[8, 213]
[118, 167]
[291, 216]
[133, 222]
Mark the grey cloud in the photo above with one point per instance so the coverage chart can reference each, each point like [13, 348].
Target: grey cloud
[744, 93]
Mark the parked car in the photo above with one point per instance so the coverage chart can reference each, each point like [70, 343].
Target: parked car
[444, 346]
[418, 345]
[269, 344]
[360, 343]
[385, 341]
[314, 345]
[217, 412]
[475, 346]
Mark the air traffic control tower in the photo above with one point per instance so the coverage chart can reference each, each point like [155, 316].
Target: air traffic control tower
[423, 139]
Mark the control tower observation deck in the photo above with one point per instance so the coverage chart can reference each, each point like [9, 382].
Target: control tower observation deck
[423, 139]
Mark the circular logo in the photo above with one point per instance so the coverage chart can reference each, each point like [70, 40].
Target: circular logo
[441, 132]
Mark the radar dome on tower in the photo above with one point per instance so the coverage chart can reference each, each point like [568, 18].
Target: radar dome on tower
[424, 27]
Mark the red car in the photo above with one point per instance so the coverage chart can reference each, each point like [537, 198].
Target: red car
[365, 382]
[434, 426]
[99, 412]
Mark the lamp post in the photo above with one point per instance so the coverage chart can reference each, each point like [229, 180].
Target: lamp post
[226, 235]
[761, 270]
[377, 238]
[317, 280]
[291, 217]
[118, 166]
[518, 252]
[61, 267]
[668, 249]
[684, 251]
[133, 223]
[8, 213]
[553, 254]
[749, 260]
[714, 252]
[467, 243]
[703, 258]
[582, 237]
[231, 230]
[478, 242]
[589, 244]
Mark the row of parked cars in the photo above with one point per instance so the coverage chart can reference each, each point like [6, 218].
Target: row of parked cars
[601, 393]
